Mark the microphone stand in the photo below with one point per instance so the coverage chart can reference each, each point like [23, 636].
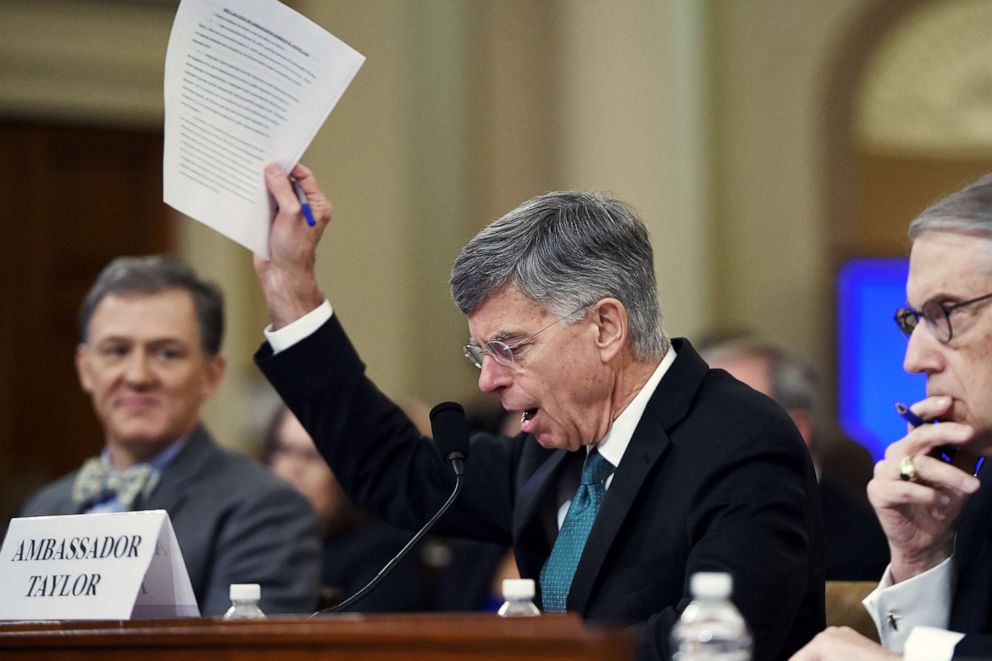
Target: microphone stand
[459, 478]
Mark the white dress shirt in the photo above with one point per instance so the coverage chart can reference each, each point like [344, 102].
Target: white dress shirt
[911, 616]
[614, 444]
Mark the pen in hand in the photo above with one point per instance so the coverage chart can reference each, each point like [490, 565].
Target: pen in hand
[304, 204]
[944, 452]
[906, 414]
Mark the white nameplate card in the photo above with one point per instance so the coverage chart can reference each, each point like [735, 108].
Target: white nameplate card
[94, 567]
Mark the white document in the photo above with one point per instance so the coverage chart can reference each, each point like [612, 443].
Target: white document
[94, 567]
[247, 82]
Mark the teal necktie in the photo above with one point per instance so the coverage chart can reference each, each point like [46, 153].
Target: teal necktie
[557, 573]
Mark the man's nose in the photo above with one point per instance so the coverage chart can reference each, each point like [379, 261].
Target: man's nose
[138, 368]
[923, 351]
[493, 376]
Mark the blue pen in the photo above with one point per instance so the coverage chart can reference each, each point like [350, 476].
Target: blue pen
[304, 204]
[943, 452]
[908, 415]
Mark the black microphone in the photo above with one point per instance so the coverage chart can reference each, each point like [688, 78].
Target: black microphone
[450, 431]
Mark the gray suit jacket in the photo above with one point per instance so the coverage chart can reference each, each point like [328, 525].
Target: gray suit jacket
[235, 521]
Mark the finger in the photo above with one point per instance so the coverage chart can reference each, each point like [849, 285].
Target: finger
[319, 203]
[930, 472]
[278, 184]
[301, 172]
[895, 493]
[932, 407]
[923, 439]
[941, 475]
[932, 511]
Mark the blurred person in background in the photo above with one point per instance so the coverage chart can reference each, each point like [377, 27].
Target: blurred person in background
[149, 357]
[854, 545]
[437, 575]
[354, 545]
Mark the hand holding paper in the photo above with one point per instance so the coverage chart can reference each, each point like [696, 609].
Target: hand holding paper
[247, 83]
[287, 276]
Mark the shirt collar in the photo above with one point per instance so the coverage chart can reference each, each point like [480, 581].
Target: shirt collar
[157, 463]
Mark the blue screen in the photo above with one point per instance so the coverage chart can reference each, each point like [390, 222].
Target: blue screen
[870, 349]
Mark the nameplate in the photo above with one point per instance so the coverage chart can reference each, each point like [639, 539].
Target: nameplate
[94, 567]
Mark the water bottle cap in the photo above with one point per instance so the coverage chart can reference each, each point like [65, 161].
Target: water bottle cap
[711, 585]
[244, 591]
[518, 588]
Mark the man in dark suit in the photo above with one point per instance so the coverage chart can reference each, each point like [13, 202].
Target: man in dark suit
[636, 465]
[854, 545]
[935, 599]
[149, 357]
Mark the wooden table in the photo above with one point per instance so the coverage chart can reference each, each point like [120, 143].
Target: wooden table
[348, 636]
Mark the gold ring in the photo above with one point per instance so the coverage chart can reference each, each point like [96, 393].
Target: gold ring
[907, 470]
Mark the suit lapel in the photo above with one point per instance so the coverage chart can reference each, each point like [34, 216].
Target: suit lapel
[669, 404]
[528, 533]
[184, 470]
[65, 504]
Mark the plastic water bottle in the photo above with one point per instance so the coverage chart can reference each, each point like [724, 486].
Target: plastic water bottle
[711, 628]
[518, 595]
[244, 602]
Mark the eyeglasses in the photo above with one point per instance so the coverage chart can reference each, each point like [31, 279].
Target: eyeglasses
[504, 353]
[937, 316]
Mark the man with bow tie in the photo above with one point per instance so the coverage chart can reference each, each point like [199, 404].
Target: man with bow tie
[149, 357]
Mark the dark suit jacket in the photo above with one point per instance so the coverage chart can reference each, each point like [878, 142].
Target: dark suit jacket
[716, 478]
[235, 523]
[971, 607]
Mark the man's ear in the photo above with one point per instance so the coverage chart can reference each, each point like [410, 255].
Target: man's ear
[82, 369]
[609, 319]
[214, 374]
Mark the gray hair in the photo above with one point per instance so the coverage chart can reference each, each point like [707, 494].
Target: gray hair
[153, 274]
[566, 251]
[968, 211]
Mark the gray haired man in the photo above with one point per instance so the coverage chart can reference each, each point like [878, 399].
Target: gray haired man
[636, 465]
[935, 600]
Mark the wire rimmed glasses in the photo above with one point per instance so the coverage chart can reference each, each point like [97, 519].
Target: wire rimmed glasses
[504, 353]
[936, 314]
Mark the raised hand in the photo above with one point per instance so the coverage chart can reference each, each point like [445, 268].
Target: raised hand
[287, 276]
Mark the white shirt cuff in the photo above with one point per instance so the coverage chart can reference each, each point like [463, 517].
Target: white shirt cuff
[931, 644]
[290, 334]
[924, 600]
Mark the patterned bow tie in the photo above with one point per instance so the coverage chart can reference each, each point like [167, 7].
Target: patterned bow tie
[96, 480]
